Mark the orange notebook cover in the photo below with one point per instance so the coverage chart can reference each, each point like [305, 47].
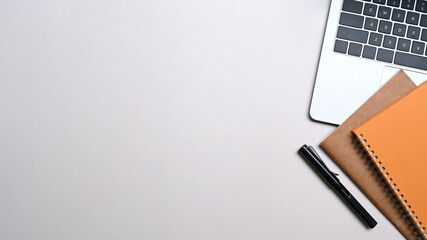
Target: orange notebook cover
[395, 141]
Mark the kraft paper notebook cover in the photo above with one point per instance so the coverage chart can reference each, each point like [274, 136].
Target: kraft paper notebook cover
[341, 147]
[395, 141]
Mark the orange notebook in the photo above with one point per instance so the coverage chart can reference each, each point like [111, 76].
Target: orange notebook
[395, 141]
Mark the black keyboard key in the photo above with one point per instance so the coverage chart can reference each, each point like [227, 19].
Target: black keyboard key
[410, 60]
[424, 35]
[370, 10]
[403, 45]
[421, 6]
[375, 39]
[412, 18]
[398, 15]
[355, 49]
[418, 47]
[385, 55]
[389, 42]
[399, 29]
[385, 26]
[379, 1]
[423, 21]
[340, 46]
[384, 12]
[413, 32]
[352, 6]
[352, 34]
[394, 3]
[371, 24]
[369, 52]
[408, 4]
[351, 20]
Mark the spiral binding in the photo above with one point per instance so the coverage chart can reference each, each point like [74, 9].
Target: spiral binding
[395, 193]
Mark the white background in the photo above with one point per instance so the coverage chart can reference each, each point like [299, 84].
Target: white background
[165, 120]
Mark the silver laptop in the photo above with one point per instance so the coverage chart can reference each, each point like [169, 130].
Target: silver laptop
[365, 44]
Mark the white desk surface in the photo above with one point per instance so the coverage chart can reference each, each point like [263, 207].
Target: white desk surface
[165, 120]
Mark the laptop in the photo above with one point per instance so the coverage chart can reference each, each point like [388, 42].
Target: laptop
[365, 44]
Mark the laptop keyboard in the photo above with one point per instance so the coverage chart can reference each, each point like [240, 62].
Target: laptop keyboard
[392, 31]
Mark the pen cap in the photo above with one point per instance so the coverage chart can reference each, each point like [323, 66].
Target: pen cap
[313, 159]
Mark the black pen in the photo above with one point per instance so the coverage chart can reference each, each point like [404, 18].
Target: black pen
[316, 162]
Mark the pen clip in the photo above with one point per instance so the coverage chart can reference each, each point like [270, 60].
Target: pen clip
[311, 149]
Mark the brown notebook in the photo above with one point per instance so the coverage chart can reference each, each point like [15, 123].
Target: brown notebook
[341, 147]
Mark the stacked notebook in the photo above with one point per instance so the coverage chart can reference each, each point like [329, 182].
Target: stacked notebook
[391, 129]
